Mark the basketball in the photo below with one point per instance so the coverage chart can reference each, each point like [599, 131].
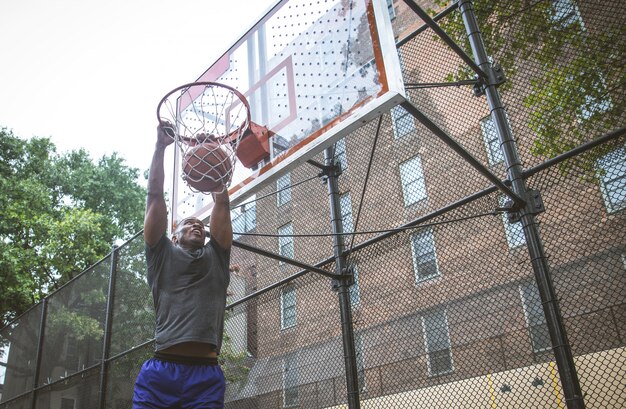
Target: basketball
[207, 167]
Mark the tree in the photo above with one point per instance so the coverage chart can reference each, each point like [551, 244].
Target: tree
[576, 90]
[61, 213]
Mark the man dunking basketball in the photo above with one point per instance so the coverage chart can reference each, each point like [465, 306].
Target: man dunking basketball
[189, 280]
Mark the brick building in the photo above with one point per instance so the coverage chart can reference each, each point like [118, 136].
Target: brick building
[446, 305]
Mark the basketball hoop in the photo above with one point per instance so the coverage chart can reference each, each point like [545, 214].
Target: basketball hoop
[208, 121]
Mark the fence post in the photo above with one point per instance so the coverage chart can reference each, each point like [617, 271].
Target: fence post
[342, 283]
[42, 327]
[106, 341]
[551, 308]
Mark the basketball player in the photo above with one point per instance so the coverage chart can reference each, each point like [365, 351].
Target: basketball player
[189, 280]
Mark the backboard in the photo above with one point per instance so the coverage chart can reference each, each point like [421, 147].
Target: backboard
[312, 71]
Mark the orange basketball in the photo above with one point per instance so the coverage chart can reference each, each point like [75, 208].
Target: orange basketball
[207, 167]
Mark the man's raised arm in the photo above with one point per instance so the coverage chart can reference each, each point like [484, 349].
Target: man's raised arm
[219, 224]
[155, 221]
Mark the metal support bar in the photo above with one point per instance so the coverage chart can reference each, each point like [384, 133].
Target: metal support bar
[270, 287]
[342, 283]
[423, 28]
[614, 134]
[476, 164]
[42, 327]
[316, 164]
[425, 218]
[415, 85]
[108, 322]
[445, 38]
[554, 319]
[278, 257]
[534, 206]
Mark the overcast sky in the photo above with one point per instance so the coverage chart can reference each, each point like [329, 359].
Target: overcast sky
[90, 73]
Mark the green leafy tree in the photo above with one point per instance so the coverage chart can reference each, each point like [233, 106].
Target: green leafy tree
[60, 213]
[571, 55]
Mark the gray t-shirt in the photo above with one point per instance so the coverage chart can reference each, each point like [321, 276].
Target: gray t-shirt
[189, 292]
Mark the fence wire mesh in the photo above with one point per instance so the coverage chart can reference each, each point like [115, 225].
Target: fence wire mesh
[445, 307]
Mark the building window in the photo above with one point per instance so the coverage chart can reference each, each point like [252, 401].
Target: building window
[345, 204]
[590, 80]
[412, 179]
[596, 104]
[244, 218]
[566, 13]
[67, 403]
[592, 83]
[285, 241]
[290, 381]
[283, 189]
[288, 307]
[355, 291]
[424, 256]
[514, 231]
[72, 353]
[340, 153]
[403, 122]
[437, 343]
[612, 176]
[535, 319]
[492, 143]
[392, 10]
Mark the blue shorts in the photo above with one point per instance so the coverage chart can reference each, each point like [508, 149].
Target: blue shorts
[181, 383]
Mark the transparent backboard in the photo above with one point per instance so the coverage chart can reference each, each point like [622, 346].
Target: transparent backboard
[312, 72]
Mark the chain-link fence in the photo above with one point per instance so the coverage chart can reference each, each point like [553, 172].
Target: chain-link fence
[445, 309]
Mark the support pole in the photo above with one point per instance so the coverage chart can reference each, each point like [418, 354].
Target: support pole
[342, 282]
[551, 308]
[42, 327]
[108, 322]
[284, 259]
[430, 22]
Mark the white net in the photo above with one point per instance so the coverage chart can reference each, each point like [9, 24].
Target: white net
[208, 122]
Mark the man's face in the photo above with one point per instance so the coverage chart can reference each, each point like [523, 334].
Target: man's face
[190, 233]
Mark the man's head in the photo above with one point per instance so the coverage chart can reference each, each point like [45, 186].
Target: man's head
[189, 233]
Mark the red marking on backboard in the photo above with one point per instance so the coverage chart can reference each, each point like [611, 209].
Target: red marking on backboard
[286, 64]
[217, 70]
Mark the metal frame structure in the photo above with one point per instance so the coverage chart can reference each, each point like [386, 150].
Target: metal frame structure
[521, 207]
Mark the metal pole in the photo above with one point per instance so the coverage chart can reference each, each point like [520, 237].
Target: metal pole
[42, 327]
[342, 284]
[448, 140]
[551, 308]
[108, 322]
[284, 259]
[423, 28]
[606, 138]
[445, 37]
